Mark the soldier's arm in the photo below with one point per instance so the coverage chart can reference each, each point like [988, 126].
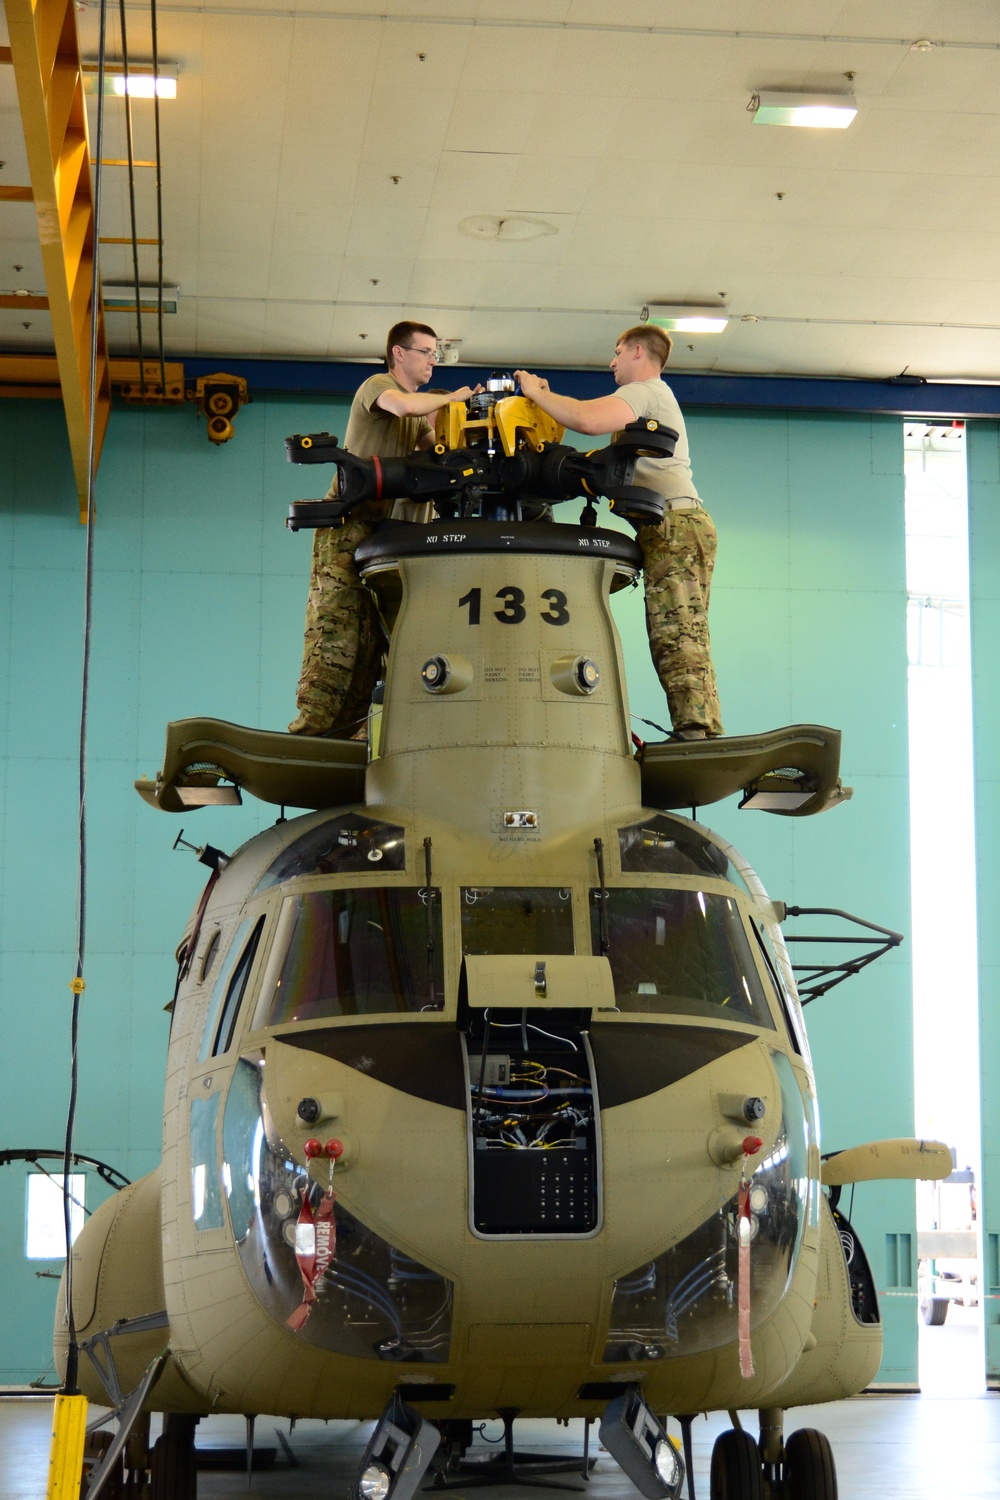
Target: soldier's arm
[593, 418]
[421, 403]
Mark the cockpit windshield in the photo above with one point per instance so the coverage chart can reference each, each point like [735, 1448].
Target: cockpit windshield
[357, 952]
[669, 846]
[680, 952]
[510, 919]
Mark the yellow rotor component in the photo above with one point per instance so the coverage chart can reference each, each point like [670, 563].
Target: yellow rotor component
[449, 426]
[520, 420]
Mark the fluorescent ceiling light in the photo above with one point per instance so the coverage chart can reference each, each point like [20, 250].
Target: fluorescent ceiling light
[121, 297]
[679, 318]
[818, 111]
[143, 86]
[142, 82]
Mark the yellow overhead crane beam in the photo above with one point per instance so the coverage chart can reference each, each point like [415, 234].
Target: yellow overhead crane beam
[36, 376]
[45, 54]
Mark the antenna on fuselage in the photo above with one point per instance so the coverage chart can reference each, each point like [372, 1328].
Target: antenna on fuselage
[207, 854]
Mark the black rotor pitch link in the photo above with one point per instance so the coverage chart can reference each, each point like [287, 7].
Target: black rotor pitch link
[469, 481]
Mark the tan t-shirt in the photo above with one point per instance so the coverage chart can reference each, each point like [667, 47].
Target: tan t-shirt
[669, 476]
[371, 431]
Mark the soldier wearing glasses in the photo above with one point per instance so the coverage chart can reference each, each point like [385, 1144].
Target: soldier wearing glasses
[342, 652]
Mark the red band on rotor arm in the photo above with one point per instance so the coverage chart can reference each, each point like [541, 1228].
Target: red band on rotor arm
[378, 476]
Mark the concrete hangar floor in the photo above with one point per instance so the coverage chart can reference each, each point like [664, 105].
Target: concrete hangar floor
[942, 1442]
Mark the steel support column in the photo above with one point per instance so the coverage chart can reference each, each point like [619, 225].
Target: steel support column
[45, 53]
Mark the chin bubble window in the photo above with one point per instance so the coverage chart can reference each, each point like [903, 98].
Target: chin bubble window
[684, 1301]
[682, 953]
[357, 952]
[372, 1300]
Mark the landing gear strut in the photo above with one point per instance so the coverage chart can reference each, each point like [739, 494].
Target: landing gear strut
[173, 1466]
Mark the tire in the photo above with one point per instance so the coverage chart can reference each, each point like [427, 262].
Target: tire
[736, 1471]
[94, 1449]
[934, 1310]
[809, 1471]
[173, 1468]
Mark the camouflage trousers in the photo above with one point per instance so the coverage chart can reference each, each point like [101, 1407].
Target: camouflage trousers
[342, 655]
[678, 557]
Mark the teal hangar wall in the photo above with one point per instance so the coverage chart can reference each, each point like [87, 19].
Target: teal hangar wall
[198, 606]
[983, 440]
[199, 594]
[808, 622]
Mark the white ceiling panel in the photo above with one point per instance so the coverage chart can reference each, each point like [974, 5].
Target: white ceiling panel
[16, 338]
[359, 333]
[231, 326]
[305, 267]
[622, 126]
[500, 60]
[365, 279]
[419, 66]
[474, 181]
[294, 330]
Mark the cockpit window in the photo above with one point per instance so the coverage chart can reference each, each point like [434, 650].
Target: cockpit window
[358, 952]
[666, 846]
[680, 953]
[234, 994]
[220, 989]
[508, 919]
[785, 1001]
[347, 843]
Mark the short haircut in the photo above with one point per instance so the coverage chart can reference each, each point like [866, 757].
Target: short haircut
[402, 333]
[656, 343]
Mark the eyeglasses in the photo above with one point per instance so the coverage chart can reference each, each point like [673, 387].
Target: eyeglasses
[428, 353]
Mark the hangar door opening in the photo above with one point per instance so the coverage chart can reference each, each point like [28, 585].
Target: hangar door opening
[943, 885]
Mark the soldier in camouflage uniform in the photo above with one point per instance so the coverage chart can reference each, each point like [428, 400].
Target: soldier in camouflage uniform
[678, 557]
[679, 553]
[342, 655]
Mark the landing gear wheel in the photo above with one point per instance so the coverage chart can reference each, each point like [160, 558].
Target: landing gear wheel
[173, 1467]
[933, 1311]
[736, 1471]
[94, 1449]
[809, 1470]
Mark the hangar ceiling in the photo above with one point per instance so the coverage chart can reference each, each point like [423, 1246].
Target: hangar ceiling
[327, 169]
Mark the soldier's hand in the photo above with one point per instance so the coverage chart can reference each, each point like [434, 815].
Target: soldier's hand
[530, 385]
[466, 391]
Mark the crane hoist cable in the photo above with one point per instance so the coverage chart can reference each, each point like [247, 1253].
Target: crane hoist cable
[77, 984]
[131, 196]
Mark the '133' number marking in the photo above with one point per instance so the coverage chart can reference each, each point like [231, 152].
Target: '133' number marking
[514, 612]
